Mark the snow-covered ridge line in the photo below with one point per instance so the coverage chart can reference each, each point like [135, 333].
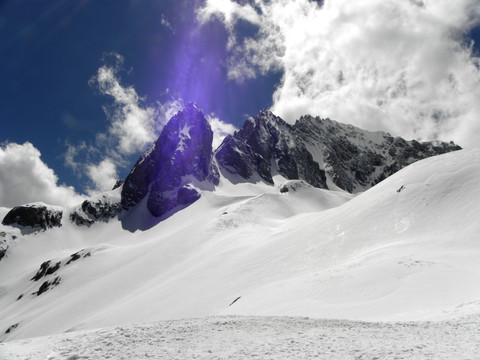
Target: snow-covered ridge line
[322, 152]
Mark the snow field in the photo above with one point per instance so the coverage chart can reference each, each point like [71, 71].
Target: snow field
[406, 249]
[234, 337]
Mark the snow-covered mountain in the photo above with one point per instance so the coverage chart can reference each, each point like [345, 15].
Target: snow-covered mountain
[166, 178]
[324, 153]
[270, 223]
[178, 161]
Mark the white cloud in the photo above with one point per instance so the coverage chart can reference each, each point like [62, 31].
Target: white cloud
[25, 178]
[228, 11]
[167, 109]
[399, 66]
[248, 55]
[133, 126]
[104, 175]
[220, 130]
[72, 153]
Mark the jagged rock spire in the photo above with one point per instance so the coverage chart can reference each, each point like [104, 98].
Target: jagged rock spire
[180, 158]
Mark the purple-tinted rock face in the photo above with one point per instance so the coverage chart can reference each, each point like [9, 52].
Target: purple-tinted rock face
[181, 156]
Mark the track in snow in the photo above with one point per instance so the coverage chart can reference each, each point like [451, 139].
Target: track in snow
[233, 337]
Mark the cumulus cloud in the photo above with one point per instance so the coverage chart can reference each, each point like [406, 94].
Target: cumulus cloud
[228, 11]
[220, 129]
[248, 56]
[400, 66]
[25, 178]
[132, 126]
[103, 175]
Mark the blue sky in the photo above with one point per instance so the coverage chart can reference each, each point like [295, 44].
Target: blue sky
[51, 49]
[90, 83]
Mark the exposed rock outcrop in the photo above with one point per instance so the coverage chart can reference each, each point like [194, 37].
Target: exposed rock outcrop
[267, 145]
[36, 215]
[6, 239]
[118, 183]
[322, 152]
[178, 162]
[47, 268]
[102, 207]
[355, 159]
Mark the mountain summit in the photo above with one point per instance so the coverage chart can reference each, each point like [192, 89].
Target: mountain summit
[169, 169]
[267, 145]
[181, 164]
[323, 153]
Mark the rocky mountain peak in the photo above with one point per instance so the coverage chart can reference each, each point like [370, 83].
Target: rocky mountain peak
[322, 152]
[178, 161]
[355, 159]
[265, 123]
[264, 146]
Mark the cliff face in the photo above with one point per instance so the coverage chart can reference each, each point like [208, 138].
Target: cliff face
[266, 145]
[178, 160]
[356, 159]
[322, 152]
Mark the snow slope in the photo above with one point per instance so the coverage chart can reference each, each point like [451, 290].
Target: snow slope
[407, 249]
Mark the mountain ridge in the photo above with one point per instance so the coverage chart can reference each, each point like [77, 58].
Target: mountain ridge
[324, 153]
[320, 151]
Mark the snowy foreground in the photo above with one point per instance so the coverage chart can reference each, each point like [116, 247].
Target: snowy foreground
[408, 249]
[232, 337]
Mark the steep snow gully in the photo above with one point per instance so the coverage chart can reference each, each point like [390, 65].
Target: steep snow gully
[244, 250]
